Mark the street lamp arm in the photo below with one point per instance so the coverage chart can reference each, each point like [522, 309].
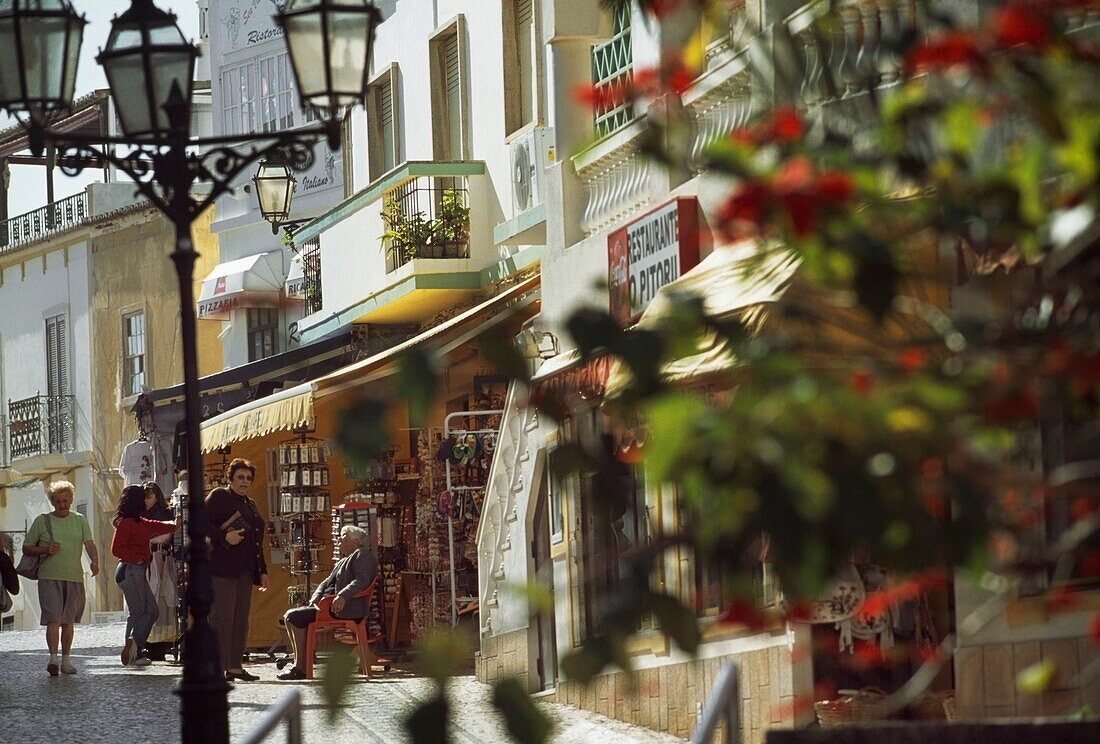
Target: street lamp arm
[156, 170]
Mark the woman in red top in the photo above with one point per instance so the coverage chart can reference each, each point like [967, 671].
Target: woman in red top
[130, 545]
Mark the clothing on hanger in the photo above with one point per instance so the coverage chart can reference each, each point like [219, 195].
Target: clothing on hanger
[137, 463]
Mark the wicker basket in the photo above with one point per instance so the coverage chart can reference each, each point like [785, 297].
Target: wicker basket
[930, 706]
[852, 707]
[949, 706]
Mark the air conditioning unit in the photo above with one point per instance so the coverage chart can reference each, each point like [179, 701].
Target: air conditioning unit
[532, 152]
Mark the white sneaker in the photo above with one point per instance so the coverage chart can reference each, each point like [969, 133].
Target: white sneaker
[141, 661]
[67, 667]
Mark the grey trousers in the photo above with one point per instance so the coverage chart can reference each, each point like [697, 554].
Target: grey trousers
[229, 616]
[140, 601]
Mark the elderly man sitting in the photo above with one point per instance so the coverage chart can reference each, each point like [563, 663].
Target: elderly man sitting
[351, 575]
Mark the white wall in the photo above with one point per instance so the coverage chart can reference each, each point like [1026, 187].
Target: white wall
[29, 293]
[240, 32]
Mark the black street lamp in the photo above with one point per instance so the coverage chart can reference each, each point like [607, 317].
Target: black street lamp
[150, 68]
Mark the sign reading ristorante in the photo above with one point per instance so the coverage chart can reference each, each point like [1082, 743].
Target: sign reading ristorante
[650, 252]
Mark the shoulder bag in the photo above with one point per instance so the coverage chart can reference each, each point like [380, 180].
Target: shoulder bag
[29, 564]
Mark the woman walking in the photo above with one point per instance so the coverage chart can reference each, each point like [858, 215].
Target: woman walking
[61, 575]
[236, 532]
[130, 544]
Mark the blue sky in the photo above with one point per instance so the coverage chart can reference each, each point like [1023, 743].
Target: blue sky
[28, 183]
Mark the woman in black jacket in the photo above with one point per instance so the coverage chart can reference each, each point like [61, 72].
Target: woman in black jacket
[236, 532]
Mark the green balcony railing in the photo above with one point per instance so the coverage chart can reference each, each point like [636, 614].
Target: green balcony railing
[612, 65]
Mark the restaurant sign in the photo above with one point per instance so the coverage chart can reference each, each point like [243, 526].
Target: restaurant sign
[650, 252]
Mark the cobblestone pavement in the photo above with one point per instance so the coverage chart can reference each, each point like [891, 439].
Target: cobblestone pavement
[108, 704]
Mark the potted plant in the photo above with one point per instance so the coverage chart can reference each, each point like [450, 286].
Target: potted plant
[452, 224]
[406, 235]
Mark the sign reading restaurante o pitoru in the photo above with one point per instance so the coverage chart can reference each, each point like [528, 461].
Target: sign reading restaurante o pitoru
[648, 253]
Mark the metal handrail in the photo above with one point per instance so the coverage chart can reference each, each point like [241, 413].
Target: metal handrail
[288, 708]
[724, 705]
[43, 222]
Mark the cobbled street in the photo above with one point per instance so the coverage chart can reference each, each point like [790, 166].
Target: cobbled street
[109, 704]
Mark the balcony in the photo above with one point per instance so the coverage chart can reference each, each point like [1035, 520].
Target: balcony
[43, 222]
[40, 425]
[426, 217]
[415, 242]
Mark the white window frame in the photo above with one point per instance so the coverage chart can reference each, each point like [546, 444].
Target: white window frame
[276, 93]
[129, 389]
[251, 330]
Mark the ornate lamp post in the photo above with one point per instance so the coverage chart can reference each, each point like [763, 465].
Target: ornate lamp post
[149, 69]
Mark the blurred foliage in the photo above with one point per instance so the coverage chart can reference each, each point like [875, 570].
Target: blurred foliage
[859, 415]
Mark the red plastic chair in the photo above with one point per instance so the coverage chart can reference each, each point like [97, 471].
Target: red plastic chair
[359, 628]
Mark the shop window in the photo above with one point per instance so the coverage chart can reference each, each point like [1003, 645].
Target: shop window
[133, 352]
[522, 64]
[382, 124]
[610, 530]
[450, 119]
[263, 329]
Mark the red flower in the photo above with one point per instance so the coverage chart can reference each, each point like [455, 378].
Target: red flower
[946, 50]
[835, 188]
[1019, 25]
[1017, 406]
[862, 381]
[743, 613]
[912, 359]
[784, 125]
[745, 210]
[1080, 508]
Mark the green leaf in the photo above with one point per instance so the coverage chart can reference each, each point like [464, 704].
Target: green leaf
[442, 653]
[335, 678]
[417, 383]
[362, 433]
[524, 721]
[671, 418]
[593, 330]
[677, 621]
[427, 724]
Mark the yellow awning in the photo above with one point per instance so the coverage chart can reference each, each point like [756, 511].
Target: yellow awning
[282, 410]
[445, 336]
[294, 406]
[733, 280]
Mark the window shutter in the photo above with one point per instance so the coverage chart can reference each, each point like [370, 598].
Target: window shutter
[57, 356]
[452, 72]
[389, 136]
[527, 49]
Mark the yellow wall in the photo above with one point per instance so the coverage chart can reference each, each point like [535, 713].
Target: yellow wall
[131, 270]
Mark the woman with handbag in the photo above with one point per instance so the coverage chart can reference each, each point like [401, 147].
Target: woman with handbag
[60, 571]
[130, 544]
[236, 530]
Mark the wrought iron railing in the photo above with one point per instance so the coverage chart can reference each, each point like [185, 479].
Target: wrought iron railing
[43, 222]
[311, 273]
[426, 217]
[612, 66]
[41, 424]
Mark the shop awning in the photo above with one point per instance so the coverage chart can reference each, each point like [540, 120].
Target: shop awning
[252, 281]
[733, 280]
[294, 406]
[282, 410]
[296, 281]
[446, 336]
